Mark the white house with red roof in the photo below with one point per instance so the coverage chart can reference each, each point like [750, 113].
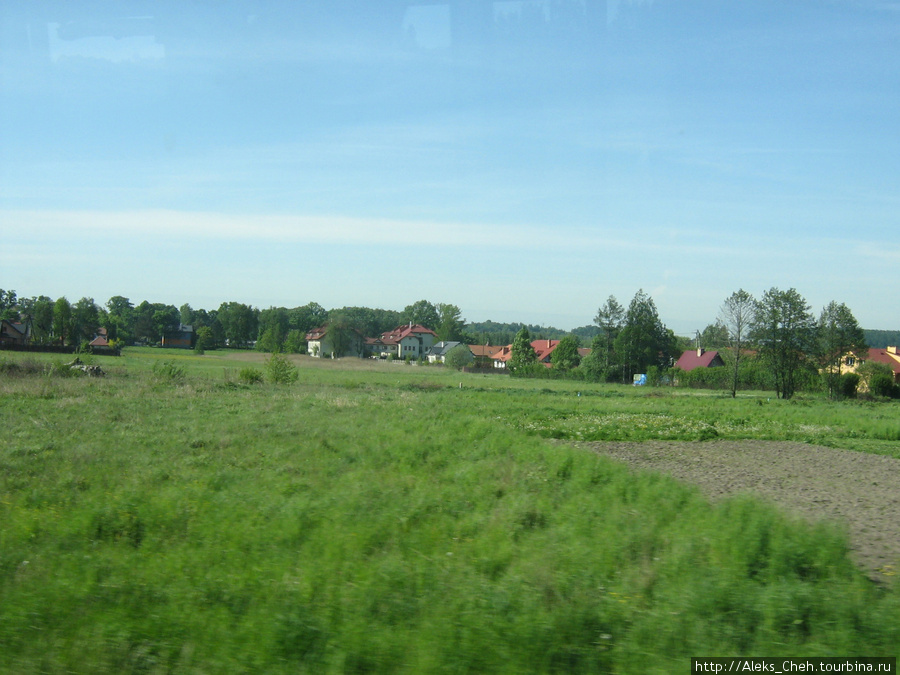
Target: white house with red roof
[543, 348]
[405, 341]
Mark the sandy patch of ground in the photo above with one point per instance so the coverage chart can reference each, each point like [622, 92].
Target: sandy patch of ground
[858, 489]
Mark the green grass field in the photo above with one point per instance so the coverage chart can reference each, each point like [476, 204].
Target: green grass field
[383, 518]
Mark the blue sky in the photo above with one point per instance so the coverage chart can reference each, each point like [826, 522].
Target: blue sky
[522, 160]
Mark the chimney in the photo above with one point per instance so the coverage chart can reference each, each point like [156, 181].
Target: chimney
[699, 351]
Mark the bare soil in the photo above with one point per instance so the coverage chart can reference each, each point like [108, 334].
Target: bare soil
[860, 490]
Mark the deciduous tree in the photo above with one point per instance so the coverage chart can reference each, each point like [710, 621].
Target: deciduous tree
[736, 315]
[85, 320]
[784, 330]
[450, 323]
[610, 318]
[423, 313]
[565, 357]
[8, 305]
[839, 336]
[340, 334]
[459, 357]
[42, 324]
[62, 319]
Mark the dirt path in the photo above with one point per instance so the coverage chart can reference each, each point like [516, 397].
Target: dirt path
[859, 489]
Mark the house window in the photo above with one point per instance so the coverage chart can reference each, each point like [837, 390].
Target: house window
[850, 361]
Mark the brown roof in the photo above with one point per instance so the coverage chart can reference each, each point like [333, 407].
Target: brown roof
[485, 350]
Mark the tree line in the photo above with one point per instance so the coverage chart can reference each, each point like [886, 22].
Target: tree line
[774, 342]
[235, 324]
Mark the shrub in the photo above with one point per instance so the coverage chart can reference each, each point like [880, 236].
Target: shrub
[250, 375]
[881, 384]
[847, 385]
[459, 357]
[280, 370]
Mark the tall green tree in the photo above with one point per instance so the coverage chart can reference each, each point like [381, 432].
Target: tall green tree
[62, 320]
[423, 313]
[273, 326]
[340, 334]
[610, 318]
[240, 323]
[839, 336]
[594, 364]
[120, 318]
[523, 358]
[85, 320]
[784, 330]
[736, 315]
[9, 305]
[451, 325]
[186, 314]
[42, 323]
[643, 341]
[566, 357]
[305, 318]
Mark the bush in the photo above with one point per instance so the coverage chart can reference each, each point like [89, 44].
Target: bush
[280, 370]
[250, 375]
[848, 384]
[459, 357]
[882, 384]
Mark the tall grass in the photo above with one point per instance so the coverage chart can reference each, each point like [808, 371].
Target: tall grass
[384, 519]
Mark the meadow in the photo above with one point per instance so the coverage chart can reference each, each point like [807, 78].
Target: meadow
[177, 516]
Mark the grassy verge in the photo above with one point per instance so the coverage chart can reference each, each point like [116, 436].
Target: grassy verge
[381, 518]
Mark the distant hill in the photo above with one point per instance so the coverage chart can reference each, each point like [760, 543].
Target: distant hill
[879, 339]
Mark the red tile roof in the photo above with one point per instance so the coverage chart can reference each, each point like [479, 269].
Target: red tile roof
[889, 356]
[690, 360]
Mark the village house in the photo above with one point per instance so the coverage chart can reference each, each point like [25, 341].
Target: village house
[889, 356]
[699, 358]
[484, 354]
[180, 338]
[542, 348]
[14, 334]
[406, 341]
[440, 350]
[319, 345]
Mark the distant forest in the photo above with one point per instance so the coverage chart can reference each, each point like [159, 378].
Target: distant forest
[491, 332]
[879, 339]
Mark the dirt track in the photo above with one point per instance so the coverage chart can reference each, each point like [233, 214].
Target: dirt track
[858, 489]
